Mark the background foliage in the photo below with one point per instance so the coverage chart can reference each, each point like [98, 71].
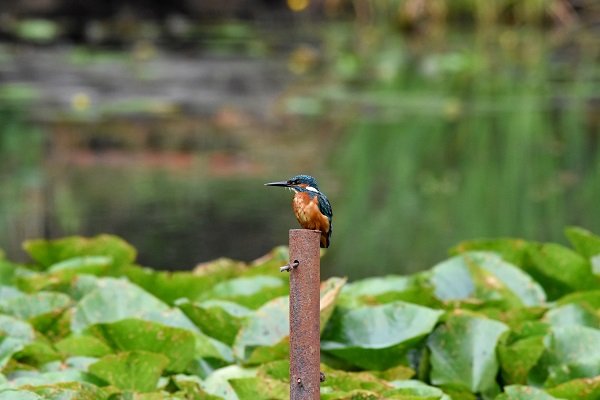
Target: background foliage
[425, 121]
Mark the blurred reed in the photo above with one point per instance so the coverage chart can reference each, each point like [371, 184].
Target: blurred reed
[491, 134]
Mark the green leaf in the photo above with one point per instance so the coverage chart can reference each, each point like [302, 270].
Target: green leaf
[343, 381]
[79, 363]
[517, 359]
[92, 265]
[260, 388]
[14, 335]
[170, 286]
[269, 263]
[83, 345]
[485, 276]
[416, 390]
[513, 317]
[528, 329]
[82, 285]
[177, 344]
[571, 352]
[30, 306]
[8, 293]
[50, 252]
[585, 242]
[218, 384]
[70, 391]
[37, 353]
[16, 394]
[595, 261]
[114, 300]
[387, 289]
[376, 286]
[560, 270]
[397, 373]
[191, 387]
[279, 369]
[217, 318]
[589, 299]
[251, 292]
[580, 389]
[573, 314]
[137, 370]
[529, 292]
[8, 272]
[265, 335]
[35, 378]
[518, 392]
[452, 279]
[358, 394]
[378, 337]
[41, 308]
[329, 293]
[209, 348]
[157, 395]
[463, 352]
[513, 251]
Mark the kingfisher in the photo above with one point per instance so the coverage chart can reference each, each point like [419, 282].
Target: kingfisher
[310, 205]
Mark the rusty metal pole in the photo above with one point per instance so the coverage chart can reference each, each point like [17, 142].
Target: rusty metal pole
[305, 345]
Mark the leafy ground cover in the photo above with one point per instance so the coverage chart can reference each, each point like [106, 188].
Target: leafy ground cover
[501, 319]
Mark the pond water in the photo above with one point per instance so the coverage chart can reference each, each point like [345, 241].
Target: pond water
[418, 141]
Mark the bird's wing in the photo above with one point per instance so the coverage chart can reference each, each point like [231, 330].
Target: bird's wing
[325, 207]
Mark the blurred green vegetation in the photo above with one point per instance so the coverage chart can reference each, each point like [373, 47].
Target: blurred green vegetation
[426, 122]
[21, 172]
[408, 12]
[462, 135]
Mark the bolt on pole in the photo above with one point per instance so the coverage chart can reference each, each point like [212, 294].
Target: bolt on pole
[305, 345]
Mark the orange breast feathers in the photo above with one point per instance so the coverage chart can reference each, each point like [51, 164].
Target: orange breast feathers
[308, 214]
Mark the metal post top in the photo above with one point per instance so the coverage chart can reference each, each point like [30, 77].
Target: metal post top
[304, 230]
[304, 242]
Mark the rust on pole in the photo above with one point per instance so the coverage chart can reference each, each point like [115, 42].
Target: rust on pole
[305, 345]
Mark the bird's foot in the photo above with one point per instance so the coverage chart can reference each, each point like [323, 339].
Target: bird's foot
[289, 266]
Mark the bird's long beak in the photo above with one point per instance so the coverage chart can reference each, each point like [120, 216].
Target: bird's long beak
[282, 183]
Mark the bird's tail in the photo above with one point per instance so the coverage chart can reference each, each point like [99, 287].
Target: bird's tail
[326, 237]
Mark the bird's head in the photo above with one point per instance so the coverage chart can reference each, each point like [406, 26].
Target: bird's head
[297, 183]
